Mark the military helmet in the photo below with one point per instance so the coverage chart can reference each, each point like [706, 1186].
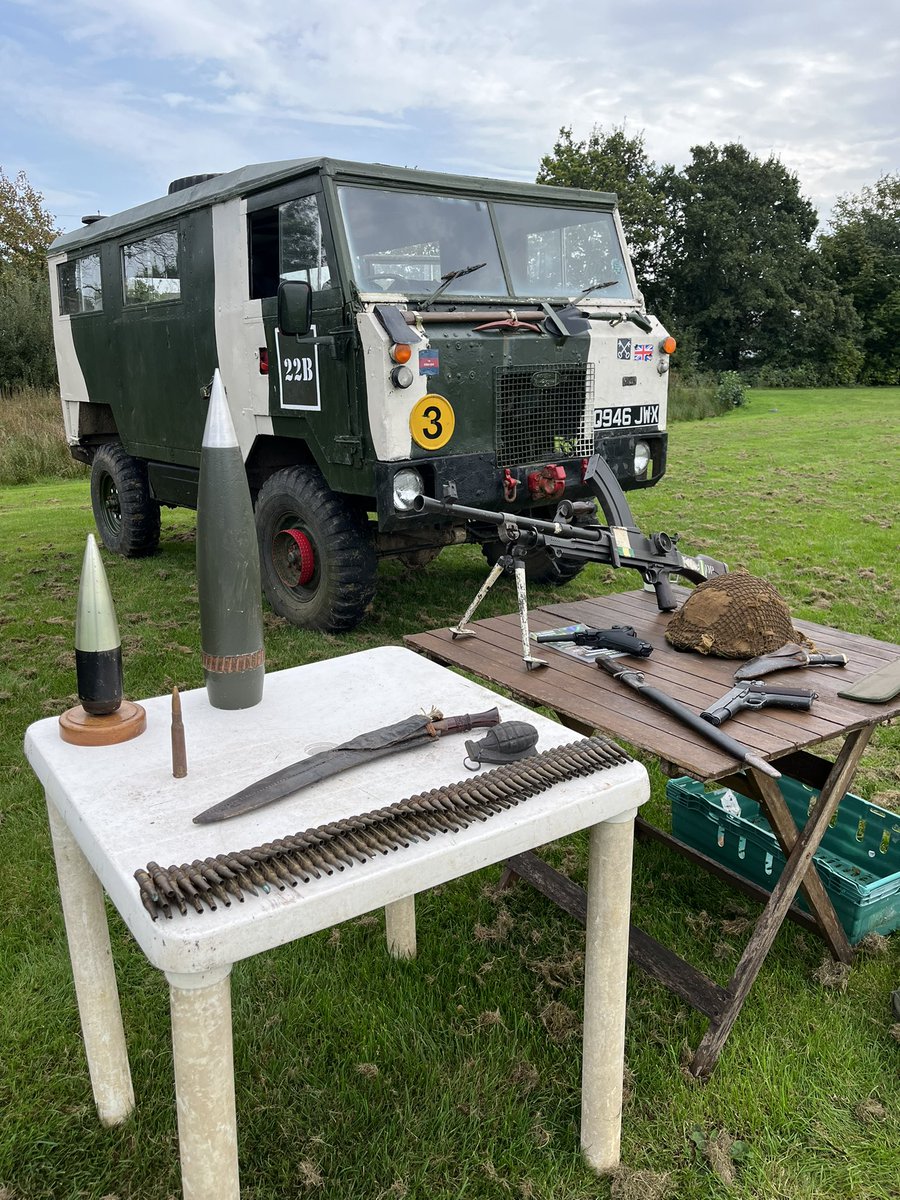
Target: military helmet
[733, 616]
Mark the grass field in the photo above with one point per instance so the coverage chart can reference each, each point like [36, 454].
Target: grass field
[457, 1075]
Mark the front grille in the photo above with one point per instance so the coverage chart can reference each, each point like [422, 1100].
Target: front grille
[544, 412]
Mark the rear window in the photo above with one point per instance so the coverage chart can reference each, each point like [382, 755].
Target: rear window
[80, 289]
[150, 269]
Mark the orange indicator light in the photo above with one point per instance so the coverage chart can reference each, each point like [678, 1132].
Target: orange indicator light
[668, 345]
[401, 353]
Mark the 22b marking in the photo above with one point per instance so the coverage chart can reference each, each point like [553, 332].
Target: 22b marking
[299, 370]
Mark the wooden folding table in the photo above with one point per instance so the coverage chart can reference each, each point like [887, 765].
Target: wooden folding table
[586, 698]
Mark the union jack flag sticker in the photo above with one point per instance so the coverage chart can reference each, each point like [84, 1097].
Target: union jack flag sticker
[642, 352]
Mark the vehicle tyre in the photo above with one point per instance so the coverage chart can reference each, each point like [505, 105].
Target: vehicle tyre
[126, 514]
[316, 556]
[540, 567]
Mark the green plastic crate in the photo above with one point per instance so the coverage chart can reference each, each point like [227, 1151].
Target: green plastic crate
[858, 858]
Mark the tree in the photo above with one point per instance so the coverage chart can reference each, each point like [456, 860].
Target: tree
[26, 230]
[740, 271]
[615, 162]
[862, 251]
[26, 227]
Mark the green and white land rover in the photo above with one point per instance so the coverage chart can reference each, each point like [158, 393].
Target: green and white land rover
[382, 333]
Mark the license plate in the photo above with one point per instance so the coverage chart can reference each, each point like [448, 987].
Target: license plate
[626, 417]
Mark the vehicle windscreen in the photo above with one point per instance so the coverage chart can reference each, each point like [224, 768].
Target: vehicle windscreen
[406, 242]
[562, 252]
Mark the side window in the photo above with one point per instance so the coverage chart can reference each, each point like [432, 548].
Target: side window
[302, 248]
[80, 289]
[150, 269]
[286, 242]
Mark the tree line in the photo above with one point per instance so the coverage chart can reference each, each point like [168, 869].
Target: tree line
[727, 255]
[726, 251]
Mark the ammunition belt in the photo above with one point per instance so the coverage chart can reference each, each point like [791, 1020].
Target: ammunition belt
[304, 857]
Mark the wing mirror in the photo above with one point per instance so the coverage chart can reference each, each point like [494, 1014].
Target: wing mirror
[295, 307]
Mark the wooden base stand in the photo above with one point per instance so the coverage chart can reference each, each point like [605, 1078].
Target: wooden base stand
[82, 729]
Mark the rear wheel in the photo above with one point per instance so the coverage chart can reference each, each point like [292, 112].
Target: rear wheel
[540, 567]
[127, 516]
[316, 556]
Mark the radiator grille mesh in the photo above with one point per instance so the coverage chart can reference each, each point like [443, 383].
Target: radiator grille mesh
[543, 412]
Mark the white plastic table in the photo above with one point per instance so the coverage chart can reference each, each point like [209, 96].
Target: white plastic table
[114, 808]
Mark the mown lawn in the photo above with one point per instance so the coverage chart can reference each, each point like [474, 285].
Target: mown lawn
[457, 1075]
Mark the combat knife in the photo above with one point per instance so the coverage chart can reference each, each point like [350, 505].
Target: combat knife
[413, 731]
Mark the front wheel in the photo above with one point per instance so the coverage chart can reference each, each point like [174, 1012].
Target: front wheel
[127, 516]
[316, 556]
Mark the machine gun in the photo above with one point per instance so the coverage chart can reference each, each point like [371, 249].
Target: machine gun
[573, 535]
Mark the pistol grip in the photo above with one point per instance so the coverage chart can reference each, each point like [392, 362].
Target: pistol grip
[665, 598]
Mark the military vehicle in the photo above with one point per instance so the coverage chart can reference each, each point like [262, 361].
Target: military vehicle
[382, 333]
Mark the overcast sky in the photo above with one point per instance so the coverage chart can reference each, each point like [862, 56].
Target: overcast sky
[103, 102]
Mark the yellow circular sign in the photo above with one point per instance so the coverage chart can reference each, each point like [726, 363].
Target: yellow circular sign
[432, 422]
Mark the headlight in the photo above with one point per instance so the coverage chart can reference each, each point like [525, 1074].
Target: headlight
[641, 458]
[407, 485]
[401, 377]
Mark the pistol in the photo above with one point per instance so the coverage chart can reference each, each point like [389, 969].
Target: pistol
[621, 638]
[757, 695]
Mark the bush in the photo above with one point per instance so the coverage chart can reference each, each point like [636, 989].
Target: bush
[731, 392]
[33, 441]
[695, 397]
[26, 336]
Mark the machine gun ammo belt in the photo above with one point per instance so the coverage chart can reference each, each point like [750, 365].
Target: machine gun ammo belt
[304, 857]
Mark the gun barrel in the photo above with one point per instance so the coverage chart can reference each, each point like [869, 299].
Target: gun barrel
[556, 528]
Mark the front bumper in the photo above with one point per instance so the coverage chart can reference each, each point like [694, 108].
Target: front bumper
[479, 481]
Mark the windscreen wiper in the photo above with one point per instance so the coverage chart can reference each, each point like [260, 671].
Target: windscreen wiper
[595, 287]
[447, 279]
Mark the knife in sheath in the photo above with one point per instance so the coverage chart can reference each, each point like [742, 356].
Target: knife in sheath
[791, 655]
[403, 735]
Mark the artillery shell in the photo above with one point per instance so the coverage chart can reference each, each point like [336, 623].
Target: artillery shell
[98, 647]
[228, 580]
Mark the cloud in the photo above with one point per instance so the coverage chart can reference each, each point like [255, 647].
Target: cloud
[175, 87]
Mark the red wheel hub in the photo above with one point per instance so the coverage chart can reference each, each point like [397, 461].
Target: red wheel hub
[294, 558]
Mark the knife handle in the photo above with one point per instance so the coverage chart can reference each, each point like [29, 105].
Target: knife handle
[465, 722]
[827, 660]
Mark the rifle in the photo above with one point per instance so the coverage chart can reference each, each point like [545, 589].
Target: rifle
[635, 680]
[621, 638]
[757, 695]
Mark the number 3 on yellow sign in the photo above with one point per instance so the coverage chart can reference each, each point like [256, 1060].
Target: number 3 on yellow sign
[432, 422]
